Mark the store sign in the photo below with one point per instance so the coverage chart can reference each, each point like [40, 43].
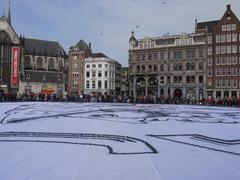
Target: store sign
[15, 66]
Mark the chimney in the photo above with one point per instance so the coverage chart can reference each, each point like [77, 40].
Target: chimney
[229, 7]
[195, 25]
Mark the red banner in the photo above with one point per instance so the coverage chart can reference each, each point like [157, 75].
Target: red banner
[15, 58]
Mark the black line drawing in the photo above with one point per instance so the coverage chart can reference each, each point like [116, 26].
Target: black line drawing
[214, 144]
[100, 140]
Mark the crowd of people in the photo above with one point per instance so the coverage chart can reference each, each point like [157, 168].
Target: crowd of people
[53, 97]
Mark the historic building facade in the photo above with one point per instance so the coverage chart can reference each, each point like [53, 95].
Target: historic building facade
[43, 67]
[168, 66]
[223, 54]
[77, 55]
[10, 49]
[102, 75]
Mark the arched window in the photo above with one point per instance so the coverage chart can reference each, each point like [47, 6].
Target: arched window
[188, 66]
[200, 79]
[169, 67]
[179, 79]
[152, 81]
[162, 80]
[192, 66]
[192, 79]
[150, 67]
[51, 64]
[155, 67]
[188, 79]
[140, 82]
[175, 67]
[39, 63]
[179, 66]
[27, 64]
[143, 67]
[175, 79]
[138, 68]
[168, 80]
[200, 66]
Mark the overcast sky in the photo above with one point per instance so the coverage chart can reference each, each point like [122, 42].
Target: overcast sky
[107, 23]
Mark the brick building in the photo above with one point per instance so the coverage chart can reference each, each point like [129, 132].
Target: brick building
[223, 55]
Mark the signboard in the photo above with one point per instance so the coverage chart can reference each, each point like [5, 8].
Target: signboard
[15, 58]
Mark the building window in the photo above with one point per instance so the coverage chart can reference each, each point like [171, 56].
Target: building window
[234, 48]
[106, 73]
[201, 53]
[93, 84]
[200, 66]
[161, 55]
[162, 80]
[99, 65]
[155, 67]
[188, 79]
[105, 84]
[192, 66]
[75, 84]
[87, 84]
[234, 27]
[143, 67]
[88, 65]
[234, 71]
[223, 60]
[99, 73]
[51, 64]
[228, 83]
[209, 50]
[188, 66]
[229, 71]
[217, 83]
[223, 72]
[209, 72]
[229, 27]
[59, 77]
[217, 38]
[155, 56]
[209, 61]
[88, 74]
[93, 73]
[39, 63]
[209, 39]
[192, 79]
[223, 38]
[162, 67]
[229, 60]
[223, 83]
[229, 37]
[234, 83]
[143, 57]
[234, 37]
[229, 49]
[93, 65]
[234, 59]
[223, 49]
[200, 79]
[27, 64]
[99, 84]
[218, 72]
[217, 49]
[190, 54]
[44, 77]
[149, 56]
[224, 28]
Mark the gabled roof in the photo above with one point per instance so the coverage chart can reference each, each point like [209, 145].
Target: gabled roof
[97, 55]
[208, 24]
[82, 45]
[43, 47]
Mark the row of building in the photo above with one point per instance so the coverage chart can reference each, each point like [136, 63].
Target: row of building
[196, 66]
[43, 67]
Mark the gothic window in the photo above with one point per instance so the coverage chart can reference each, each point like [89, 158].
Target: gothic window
[192, 79]
[200, 79]
[192, 66]
[179, 66]
[188, 79]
